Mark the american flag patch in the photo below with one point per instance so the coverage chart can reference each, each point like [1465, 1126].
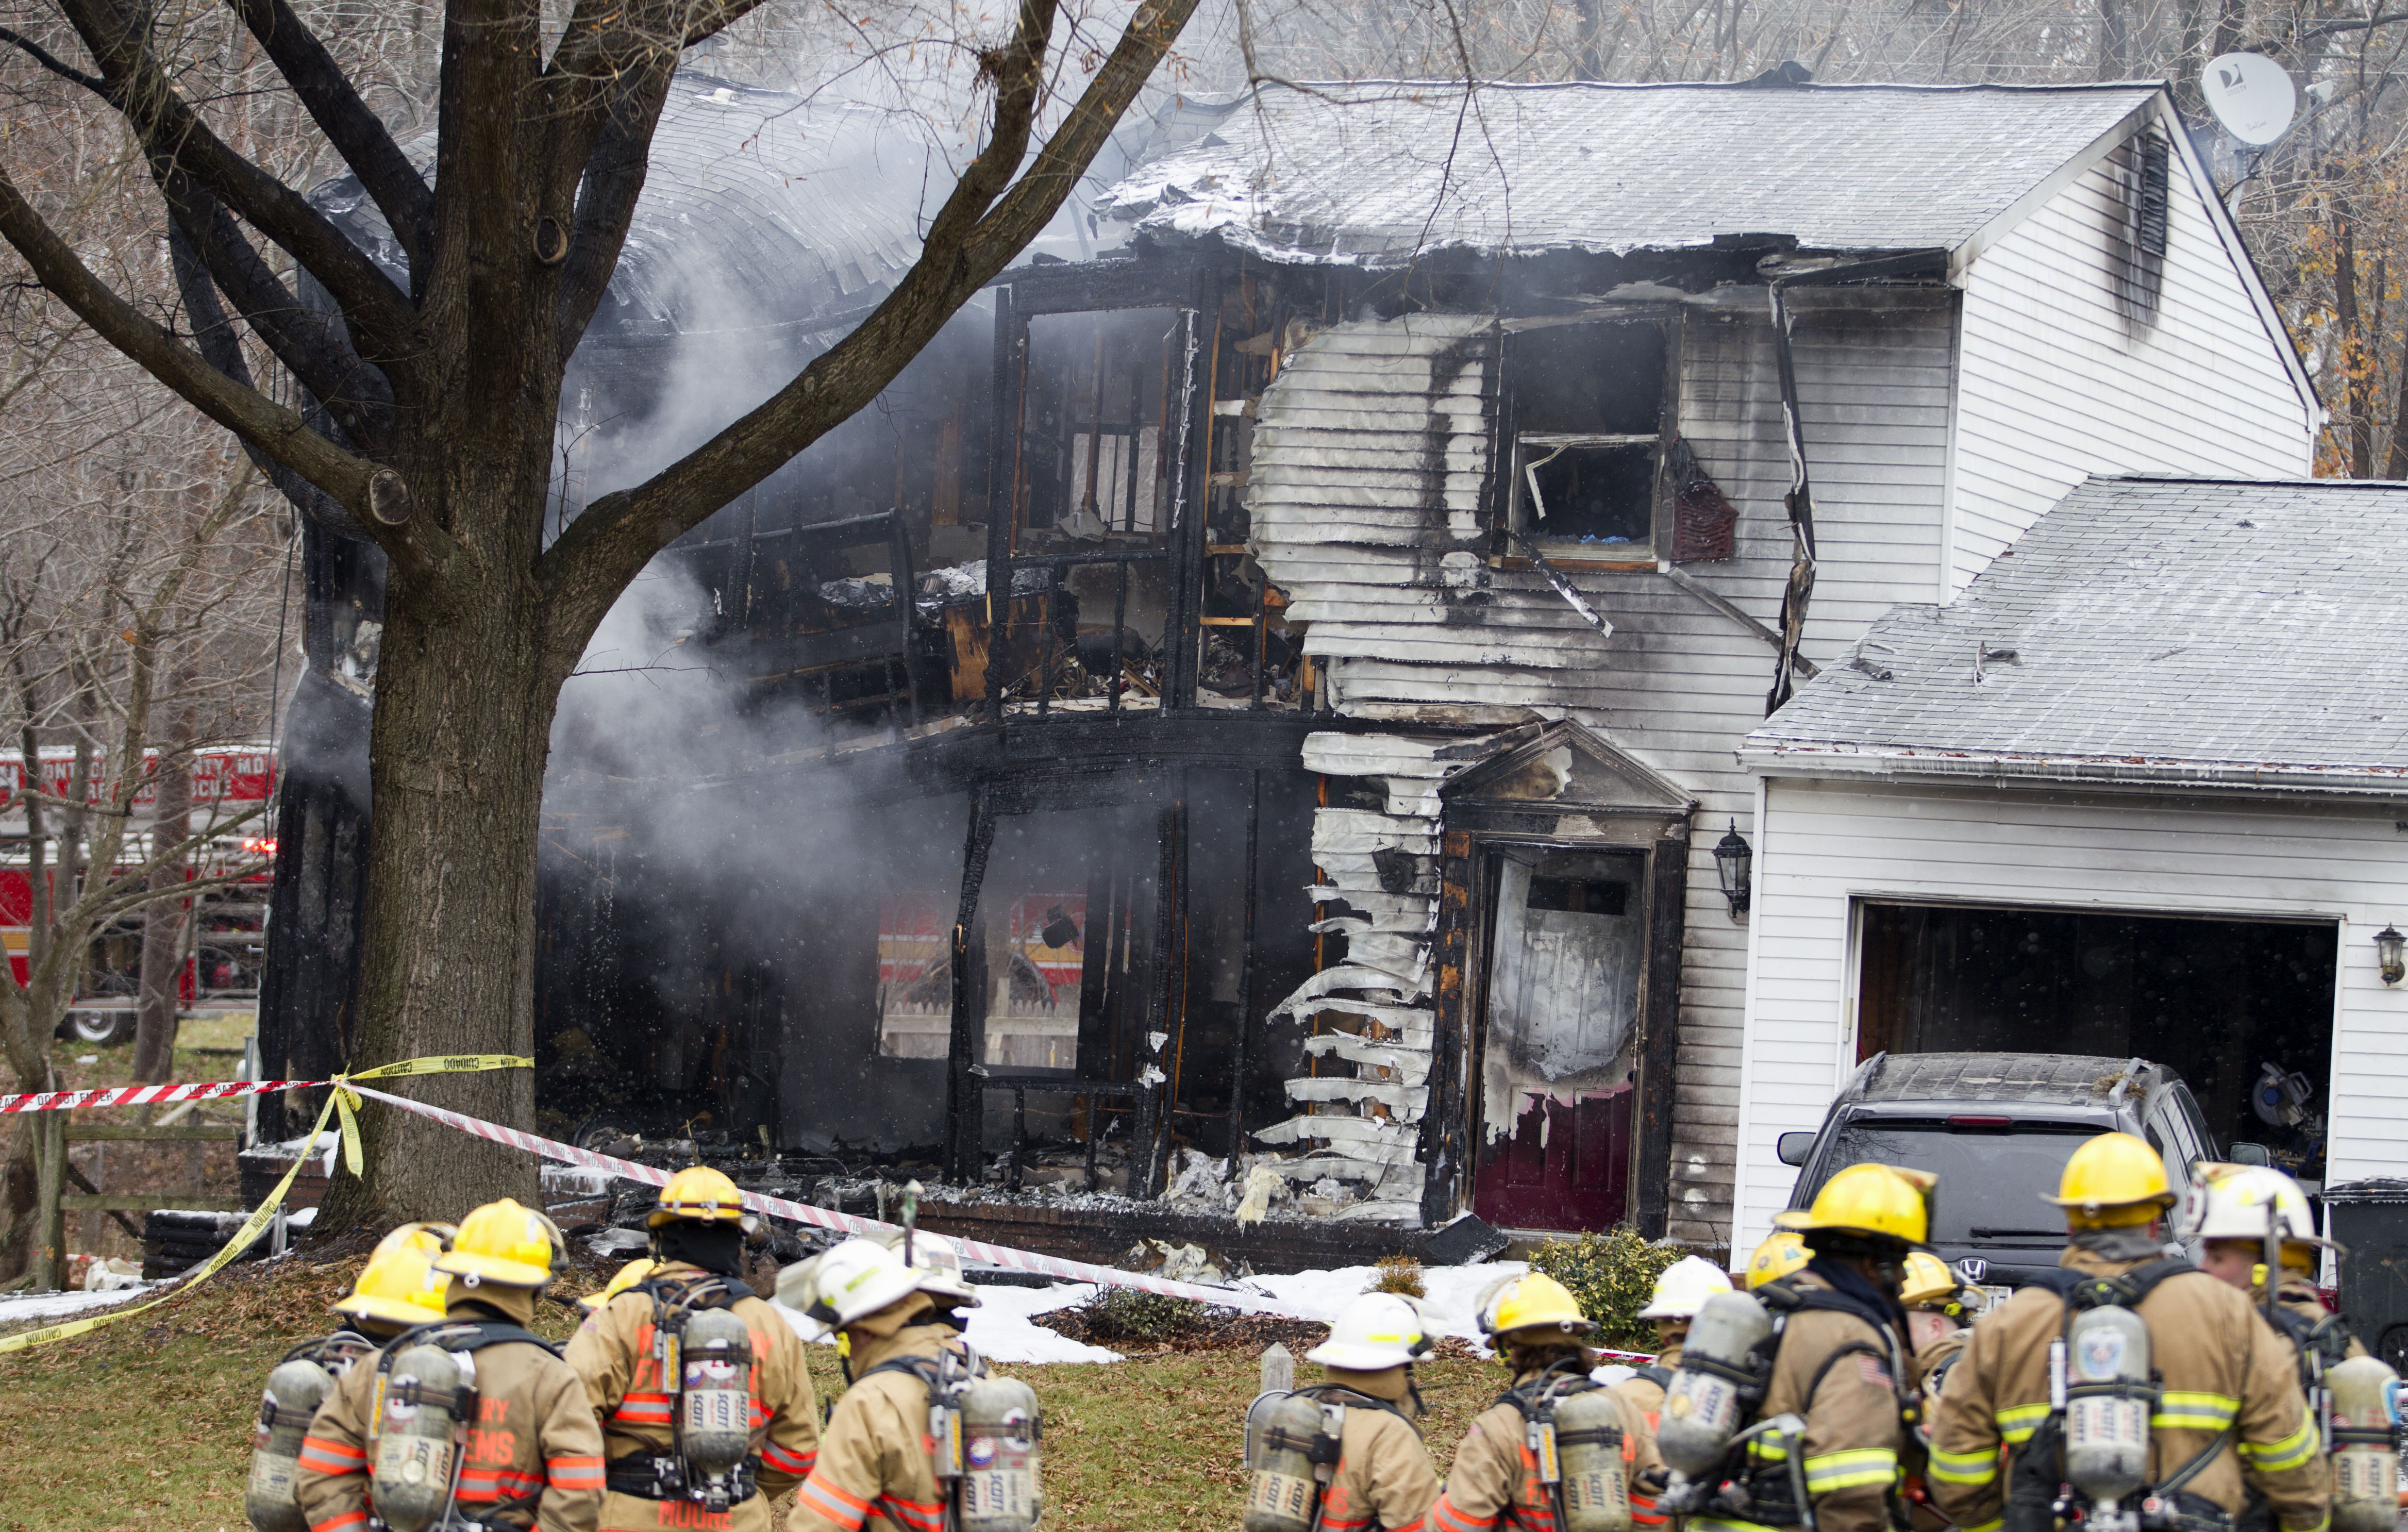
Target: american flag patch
[1871, 1370]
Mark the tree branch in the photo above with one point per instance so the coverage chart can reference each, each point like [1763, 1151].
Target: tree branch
[214, 335]
[400, 191]
[277, 431]
[42, 56]
[611, 541]
[170, 129]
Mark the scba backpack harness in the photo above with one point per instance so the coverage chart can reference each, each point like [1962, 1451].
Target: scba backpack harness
[2091, 1451]
[425, 1400]
[982, 1435]
[702, 1354]
[1725, 1460]
[1574, 1437]
[1293, 1440]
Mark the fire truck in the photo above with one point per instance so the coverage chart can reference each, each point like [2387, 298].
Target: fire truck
[226, 931]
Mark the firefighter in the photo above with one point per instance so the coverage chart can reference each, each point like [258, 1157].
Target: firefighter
[1384, 1477]
[1839, 1356]
[399, 1288]
[2239, 1206]
[533, 1453]
[1535, 1326]
[2237, 1210]
[1934, 1298]
[2228, 1412]
[1680, 1292]
[621, 1351]
[875, 1465]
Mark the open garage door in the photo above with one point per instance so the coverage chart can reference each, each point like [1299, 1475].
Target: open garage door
[2241, 1009]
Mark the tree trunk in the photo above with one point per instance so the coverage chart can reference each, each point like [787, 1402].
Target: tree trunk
[17, 1196]
[2360, 424]
[164, 923]
[468, 680]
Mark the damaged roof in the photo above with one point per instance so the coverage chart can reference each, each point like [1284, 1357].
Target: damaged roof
[2153, 630]
[1358, 173]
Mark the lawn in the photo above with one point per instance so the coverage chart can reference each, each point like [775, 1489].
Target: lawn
[147, 1425]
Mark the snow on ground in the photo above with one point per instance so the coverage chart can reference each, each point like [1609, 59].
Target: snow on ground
[31, 1305]
[1450, 1308]
[1003, 1327]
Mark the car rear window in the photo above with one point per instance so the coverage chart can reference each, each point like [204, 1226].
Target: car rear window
[1991, 1179]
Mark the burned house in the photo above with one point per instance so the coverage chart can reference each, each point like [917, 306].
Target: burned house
[1257, 707]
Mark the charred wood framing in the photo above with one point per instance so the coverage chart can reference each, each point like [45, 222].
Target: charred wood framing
[1169, 931]
[964, 1103]
[1659, 1033]
[1246, 969]
[1446, 1126]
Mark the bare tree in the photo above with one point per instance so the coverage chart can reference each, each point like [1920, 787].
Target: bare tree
[437, 395]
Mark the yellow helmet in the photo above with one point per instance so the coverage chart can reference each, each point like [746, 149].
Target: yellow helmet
[1929, 1281]
[1533, 1300]
[1776, 1258]
[430, 1237]
[399, 1286]
[627, 1276]
[2112, 1180]
[1877, 1201]
[503, 1242]
[698, 1195]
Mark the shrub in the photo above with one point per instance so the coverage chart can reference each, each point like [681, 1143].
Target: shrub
[1400, 1274]
[1610, 1275]
[1127, 1315]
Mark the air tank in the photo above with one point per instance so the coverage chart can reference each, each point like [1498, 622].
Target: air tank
[998, 1491]
[2365, 1450]
[422, 1407]
[1703, 1404]
[1283, 1493]
[1588, 1448]
[2107, 1403]
[294, 1391]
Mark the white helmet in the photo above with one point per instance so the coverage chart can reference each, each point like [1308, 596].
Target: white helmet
[1685, 1287]
[2243, 1202]
[837, 1286]
[939, 1265]
[1375, 1332]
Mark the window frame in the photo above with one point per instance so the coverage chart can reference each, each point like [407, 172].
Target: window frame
[1524, 452]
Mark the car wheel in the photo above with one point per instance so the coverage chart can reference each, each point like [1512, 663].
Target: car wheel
[101, 1028]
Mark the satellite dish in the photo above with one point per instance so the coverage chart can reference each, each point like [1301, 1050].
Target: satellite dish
[2251, 95]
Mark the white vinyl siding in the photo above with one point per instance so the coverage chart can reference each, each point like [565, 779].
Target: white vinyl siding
[1825, 844]
[2057, 385]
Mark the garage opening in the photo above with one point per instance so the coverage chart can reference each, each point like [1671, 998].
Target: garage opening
[2241, 1009]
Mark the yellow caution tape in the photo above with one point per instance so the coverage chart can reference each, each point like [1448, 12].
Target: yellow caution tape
[338, 1100]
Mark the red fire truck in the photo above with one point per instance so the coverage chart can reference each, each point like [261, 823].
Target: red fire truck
[226, 934]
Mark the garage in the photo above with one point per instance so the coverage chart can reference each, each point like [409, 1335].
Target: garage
[2242, 1009]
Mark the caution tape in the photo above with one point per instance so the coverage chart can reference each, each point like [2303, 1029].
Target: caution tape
[219, 1089]
[829, 1218]
[256, 1224]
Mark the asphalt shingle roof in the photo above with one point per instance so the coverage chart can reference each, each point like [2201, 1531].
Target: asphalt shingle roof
[1367, 172]
[2161, 630]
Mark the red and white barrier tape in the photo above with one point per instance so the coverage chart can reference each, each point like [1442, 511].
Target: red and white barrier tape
[828, 1218]
[147, 1096]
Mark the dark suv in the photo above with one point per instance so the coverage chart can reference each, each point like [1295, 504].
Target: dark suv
[1997, 1128]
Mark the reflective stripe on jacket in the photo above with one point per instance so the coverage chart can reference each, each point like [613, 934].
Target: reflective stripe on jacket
[535, 1448]
[876, 1465]
[2222, 1365]
[612, 1350]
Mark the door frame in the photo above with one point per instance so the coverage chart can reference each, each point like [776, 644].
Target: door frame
[1468, 911]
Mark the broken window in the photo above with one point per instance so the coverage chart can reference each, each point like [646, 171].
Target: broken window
[1592, 423]
[1092, 423]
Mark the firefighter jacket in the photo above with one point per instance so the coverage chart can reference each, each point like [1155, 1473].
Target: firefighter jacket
[613, 1351]
[2221, 1366]
[877, 1467]
[1836, 1371]
[1495, 1479]
[533, 1458]
[1641, 1395]
[1935, 1361]
[1384, 1478]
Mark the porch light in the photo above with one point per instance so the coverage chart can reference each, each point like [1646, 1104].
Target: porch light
[2391, 954]
[1734, 855]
